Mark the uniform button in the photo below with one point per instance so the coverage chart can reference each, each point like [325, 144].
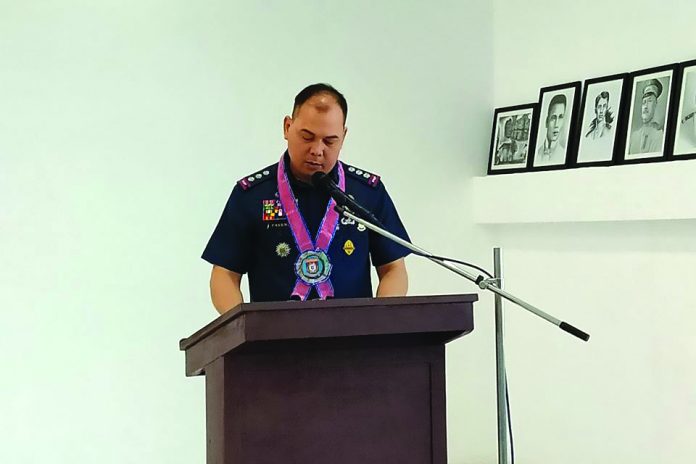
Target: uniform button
[250, 178]
[351, 169]
[359, 172]
[258, 176]
[265, 173]
[366, 176]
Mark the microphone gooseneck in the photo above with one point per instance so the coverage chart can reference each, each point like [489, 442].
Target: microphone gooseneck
[323, 181]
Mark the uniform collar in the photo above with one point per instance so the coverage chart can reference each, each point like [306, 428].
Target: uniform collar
[297, 183]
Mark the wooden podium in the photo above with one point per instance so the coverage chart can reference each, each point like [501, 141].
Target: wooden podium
[356, 381]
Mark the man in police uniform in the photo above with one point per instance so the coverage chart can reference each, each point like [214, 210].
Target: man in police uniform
[285, 233]
[648, 139]
[688, 128]
[552, 151]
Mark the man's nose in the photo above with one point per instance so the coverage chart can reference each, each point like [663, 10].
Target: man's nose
[317, 148]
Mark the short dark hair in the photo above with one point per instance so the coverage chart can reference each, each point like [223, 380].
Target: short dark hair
[559, 99]
[318, 89]
[608, 116]
[604, 95]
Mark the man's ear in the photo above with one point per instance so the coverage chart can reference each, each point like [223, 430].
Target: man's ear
[287, 121]
[345, 131]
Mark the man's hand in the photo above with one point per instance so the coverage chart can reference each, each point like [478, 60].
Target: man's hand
[393, 279]
[225, 289]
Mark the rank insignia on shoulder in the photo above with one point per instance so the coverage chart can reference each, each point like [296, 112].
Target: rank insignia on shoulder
[254, 179]
[273, 210]
[370, 179]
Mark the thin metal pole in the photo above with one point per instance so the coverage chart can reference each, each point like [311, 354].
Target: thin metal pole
[500, 376]
[484, 284]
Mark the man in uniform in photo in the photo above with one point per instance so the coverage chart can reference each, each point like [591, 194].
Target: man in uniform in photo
[284, 232]
[552, 150]
[648, 138]
[601, 125]
[687, 130]
[506, 147]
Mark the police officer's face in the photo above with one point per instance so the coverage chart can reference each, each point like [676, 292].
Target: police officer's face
[601, 109]
[315, 136]
[648, 108]
[554, 121]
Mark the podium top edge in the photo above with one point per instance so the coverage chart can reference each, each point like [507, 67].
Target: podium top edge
[343, 304]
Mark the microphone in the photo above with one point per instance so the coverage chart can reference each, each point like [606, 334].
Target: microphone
[323, 181]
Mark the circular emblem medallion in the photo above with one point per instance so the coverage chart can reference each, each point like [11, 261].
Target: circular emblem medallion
[313, 267]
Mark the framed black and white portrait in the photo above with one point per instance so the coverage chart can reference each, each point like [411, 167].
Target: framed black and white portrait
[510, 140]
[601, 111]
[685, 124]
[649, 114]
[554, 125]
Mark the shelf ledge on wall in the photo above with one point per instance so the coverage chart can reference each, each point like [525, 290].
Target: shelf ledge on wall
[637, 192]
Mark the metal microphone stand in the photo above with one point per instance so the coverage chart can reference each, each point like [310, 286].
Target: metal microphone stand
[493, 285]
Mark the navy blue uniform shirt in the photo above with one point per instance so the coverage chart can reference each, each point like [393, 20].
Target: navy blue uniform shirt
[253, 235]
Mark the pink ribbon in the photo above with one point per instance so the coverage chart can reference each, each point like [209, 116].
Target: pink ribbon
[325, 234]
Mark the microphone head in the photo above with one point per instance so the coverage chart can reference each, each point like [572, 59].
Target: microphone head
[320, 179]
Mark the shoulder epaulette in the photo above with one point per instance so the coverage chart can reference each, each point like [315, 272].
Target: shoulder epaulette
[367, 177]
[256, 178]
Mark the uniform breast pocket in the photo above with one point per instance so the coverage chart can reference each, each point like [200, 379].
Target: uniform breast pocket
[276, 241]
[350, 246]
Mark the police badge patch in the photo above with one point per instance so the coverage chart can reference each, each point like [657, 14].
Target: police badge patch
[313, 267]
[348, 247]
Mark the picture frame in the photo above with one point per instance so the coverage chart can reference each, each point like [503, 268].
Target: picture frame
[602, 114]
[650, 115]
[555, 126]
[511, 139]
[684, 127]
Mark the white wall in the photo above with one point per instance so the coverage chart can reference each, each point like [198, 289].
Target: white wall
[627, 395]
[125, 124]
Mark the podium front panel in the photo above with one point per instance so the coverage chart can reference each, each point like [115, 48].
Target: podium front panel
[333, 406]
